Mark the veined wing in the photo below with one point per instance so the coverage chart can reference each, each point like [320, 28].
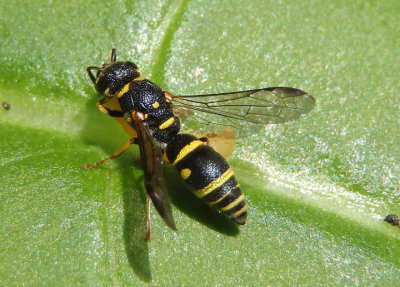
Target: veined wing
[261, 106]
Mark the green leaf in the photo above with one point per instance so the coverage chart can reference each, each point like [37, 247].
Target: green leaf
[317, 188]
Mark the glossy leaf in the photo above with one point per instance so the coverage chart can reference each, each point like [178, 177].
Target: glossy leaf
[318, 188]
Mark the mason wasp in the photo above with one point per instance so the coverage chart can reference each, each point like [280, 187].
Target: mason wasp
[149, 115]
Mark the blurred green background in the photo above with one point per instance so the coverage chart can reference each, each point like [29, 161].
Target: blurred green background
[317, 188]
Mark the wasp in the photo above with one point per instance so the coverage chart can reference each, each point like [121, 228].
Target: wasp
[151, 118]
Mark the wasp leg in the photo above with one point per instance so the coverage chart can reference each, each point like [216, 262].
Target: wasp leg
[107, 111]
[204, 140]
[113, 109]
[222, 142]
[116, 154]
[148, 220]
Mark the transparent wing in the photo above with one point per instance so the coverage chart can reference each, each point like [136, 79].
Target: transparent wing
[255, 107]
[154, 181]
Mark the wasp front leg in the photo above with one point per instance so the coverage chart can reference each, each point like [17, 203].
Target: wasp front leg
[111, 107]
[114, 111]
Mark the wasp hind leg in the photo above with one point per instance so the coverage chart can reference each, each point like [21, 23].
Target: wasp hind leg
[222, 142]
[148, 220]
[116, 154]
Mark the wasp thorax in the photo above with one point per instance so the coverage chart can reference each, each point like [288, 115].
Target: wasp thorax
[113, 77]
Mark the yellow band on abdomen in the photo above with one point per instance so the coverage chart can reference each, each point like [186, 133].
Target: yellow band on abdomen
[187, 149]
[214, 184]
[233, 203]
[240, 211]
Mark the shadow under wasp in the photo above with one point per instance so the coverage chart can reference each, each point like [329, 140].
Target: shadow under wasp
[149, 115]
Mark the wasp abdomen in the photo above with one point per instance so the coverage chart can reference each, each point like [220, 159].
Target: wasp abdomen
[208, 175]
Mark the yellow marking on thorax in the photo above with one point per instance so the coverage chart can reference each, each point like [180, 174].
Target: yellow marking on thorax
[124, 90]
[166, 124]
[214, 184]
[156, 105]
[185, 173]
[187, 149]
[236, 213]
[139, 79]
[233, 203]
[107, 91]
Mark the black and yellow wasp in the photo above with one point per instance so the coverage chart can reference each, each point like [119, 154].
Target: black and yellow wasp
[148, 114]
